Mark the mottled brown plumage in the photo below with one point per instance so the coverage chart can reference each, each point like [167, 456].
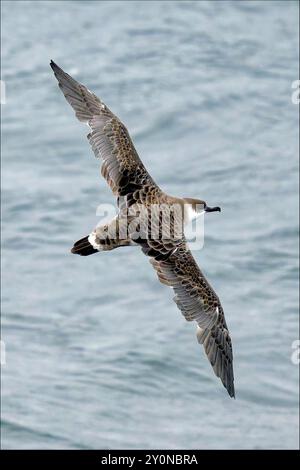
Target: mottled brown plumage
[136, 192]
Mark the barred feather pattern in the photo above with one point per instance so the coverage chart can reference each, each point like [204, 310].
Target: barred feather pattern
[198, 302]
[122, 168]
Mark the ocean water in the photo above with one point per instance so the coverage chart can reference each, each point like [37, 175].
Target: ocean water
[97, 354]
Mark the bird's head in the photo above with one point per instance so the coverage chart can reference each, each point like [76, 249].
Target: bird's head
[195, 207]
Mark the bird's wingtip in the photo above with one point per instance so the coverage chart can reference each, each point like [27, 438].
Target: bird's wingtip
[231, 392]
[53, 65]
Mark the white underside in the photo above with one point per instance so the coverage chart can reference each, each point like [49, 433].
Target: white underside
[190, 214]
[92, 241]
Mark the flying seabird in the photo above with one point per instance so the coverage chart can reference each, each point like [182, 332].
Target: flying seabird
[170, 256]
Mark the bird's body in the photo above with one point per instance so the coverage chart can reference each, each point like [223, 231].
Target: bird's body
[153, 220]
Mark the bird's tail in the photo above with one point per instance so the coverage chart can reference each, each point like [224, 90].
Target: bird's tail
[94, 243]
[83, 247]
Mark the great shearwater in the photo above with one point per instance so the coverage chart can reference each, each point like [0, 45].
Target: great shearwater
[137, 192]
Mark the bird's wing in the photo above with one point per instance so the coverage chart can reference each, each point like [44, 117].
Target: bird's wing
[122, 168]
[197, 301]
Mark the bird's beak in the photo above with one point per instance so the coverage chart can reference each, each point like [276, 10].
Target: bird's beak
[212, 209]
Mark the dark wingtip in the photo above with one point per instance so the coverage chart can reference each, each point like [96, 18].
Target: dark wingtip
[53, 65]
[231, 391]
